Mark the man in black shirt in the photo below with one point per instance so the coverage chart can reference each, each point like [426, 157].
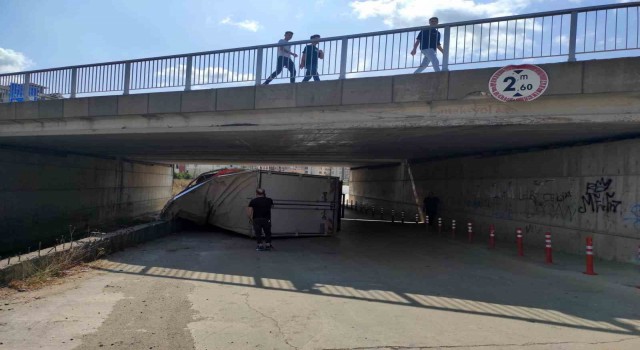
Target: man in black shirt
[259, 213]
[429, 40]
[309, 59]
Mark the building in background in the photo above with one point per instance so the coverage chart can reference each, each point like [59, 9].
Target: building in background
[196, 169]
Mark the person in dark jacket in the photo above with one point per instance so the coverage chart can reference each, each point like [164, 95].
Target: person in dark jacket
[431, 207]
[429, 41]
[309, 59]
[259, 213]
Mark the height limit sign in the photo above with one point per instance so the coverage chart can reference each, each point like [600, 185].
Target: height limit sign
[518, 83]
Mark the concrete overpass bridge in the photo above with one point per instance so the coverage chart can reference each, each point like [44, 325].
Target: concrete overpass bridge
[355, 121]
[565, 162]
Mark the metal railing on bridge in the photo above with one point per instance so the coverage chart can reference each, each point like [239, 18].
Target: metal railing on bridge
[471, 44]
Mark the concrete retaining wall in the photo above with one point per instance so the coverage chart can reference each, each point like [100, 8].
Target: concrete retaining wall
[572, 192]
[86, 249]
[41, 194]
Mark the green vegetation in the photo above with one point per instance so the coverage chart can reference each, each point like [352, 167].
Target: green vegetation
[183, 176]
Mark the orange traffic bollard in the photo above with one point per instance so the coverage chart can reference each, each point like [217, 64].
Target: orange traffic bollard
[453, 229]
[590, 270]
[492, 236]
[547, 248]
[519, 241]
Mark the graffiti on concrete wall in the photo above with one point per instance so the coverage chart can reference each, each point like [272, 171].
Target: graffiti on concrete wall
[599, 197]
[505, 200]
[551, 204]
[596, 203]
[634, 216]
[532, 230]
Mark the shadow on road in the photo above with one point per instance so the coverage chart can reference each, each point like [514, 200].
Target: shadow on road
[401, 265]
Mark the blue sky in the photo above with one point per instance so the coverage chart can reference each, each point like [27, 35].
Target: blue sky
[39, 34]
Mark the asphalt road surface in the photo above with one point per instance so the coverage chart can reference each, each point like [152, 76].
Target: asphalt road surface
[374, 286]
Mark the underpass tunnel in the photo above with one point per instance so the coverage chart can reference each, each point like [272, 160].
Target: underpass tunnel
[570, 192]
[564, 163]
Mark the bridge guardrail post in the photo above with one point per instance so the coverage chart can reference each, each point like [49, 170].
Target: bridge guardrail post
[343, 58]
[74, 82]
[127, 78]
[259, 66]
[573, 28]
[188, 72]
[25, 87]
[445, 47]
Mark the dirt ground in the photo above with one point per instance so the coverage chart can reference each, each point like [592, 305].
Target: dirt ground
[373, 286]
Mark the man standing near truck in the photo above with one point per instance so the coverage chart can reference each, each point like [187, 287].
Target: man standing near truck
[259, 213]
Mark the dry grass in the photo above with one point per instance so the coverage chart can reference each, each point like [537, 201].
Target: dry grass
[179, 185]
[50, 270]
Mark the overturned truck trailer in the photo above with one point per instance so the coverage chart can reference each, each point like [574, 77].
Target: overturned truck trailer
[303, 204]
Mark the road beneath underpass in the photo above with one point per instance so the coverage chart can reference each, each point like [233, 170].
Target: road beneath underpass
[375, 285]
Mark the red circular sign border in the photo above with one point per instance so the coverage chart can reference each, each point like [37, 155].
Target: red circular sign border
[544, 83]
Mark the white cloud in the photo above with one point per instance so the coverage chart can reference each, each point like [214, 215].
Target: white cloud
[13, 61]
[401, 13]
[205, 76]
[247, 24]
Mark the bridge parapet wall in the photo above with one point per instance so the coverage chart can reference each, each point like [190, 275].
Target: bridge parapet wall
[572, 78]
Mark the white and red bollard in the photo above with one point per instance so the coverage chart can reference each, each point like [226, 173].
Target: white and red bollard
[492, 236]
[470, 231]
[453, 228]
[519, 241]
[590, 270]
[417, 218]
[439, 225]
[426, 221]
[547, 248]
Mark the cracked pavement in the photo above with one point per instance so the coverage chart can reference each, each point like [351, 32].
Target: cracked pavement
[374, 286]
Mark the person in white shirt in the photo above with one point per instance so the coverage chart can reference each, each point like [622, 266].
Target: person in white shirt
[284, 59]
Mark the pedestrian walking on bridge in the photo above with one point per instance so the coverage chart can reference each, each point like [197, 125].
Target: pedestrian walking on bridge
[429, 41]
[284, 59]
[310, 57]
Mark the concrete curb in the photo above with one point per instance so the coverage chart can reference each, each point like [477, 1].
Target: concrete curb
[89, 248]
